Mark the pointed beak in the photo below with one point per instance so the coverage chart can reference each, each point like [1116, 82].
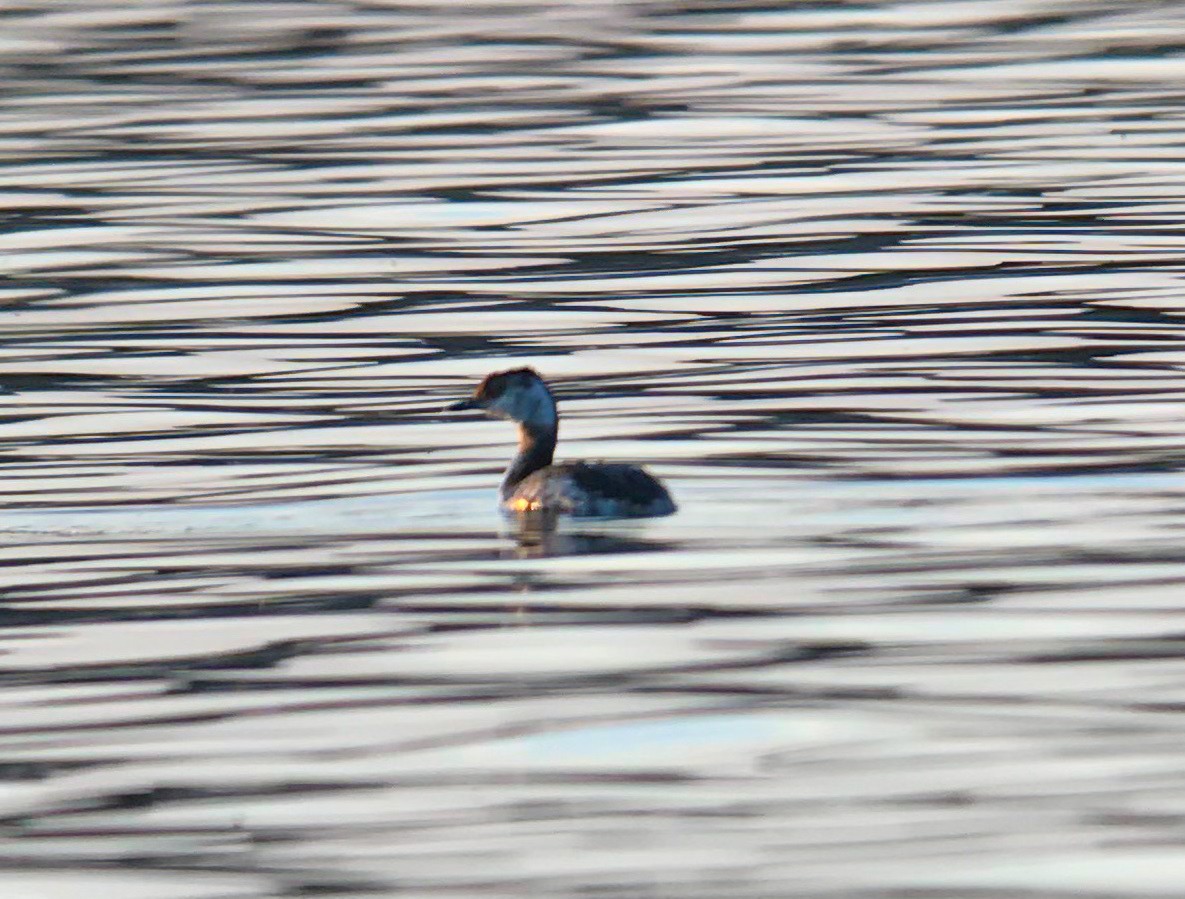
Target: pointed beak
[461, 406]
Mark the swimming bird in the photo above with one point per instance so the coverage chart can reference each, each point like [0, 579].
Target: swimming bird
[533, 484]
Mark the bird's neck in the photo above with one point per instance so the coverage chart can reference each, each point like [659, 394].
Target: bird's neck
[536, 447]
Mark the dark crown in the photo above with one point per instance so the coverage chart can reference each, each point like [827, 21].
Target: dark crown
[494, 385]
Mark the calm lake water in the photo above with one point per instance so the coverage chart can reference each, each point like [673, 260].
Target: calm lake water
[890, 295]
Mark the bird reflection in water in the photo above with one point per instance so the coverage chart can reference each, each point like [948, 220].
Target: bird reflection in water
[539, 535]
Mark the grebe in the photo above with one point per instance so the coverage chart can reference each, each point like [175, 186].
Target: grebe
[533, 484]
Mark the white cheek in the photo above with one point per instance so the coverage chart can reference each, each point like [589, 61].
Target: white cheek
[537, 406]
[533, 405]
[500, 408]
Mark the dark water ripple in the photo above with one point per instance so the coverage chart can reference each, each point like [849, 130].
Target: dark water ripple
[890, 294]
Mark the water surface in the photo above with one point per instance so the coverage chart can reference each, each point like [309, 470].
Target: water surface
[889, 294]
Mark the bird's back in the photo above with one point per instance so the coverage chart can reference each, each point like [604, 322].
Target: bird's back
[588, 489]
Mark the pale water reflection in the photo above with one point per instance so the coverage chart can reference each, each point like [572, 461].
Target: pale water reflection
[890, 295]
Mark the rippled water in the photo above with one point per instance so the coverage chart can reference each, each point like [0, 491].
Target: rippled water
[890, 295]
